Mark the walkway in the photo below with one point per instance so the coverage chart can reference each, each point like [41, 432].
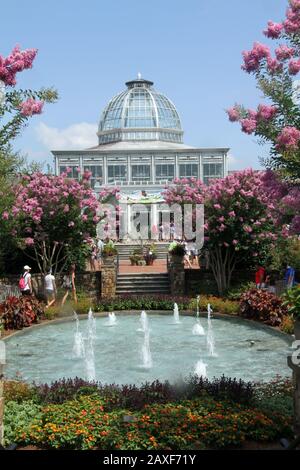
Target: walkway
[159, 266]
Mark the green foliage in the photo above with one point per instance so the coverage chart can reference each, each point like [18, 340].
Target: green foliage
[236, 292]
[219, 305]
[176, 249]
[292, 301]
[17, 391]
[275, 397]
[85, 424]
[109, 249]
[286, 252]
[19, 416]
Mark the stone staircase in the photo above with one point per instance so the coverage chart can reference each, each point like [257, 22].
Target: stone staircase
[143, 284]
[125, 250]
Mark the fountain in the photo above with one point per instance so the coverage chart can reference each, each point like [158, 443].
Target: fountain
[198, 329]
[78, 345]
[89, 348]
[144, 322]
[112, 319]
[176, 314]
[210, 334]
[145, 350]
[200, 369]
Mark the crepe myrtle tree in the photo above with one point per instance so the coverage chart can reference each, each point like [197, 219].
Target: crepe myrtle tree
[276, 121]
[51, 217]
[17, 106]
[240, 220]
[239, 223]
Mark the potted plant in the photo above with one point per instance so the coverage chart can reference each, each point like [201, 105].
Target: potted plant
[177, 250]
[292, 301]
[109, 252]
[150, 255]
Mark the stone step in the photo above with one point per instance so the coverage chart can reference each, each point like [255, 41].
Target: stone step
[142, 290]
[150, 283]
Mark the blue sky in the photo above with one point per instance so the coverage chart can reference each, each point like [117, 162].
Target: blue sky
[87, 50]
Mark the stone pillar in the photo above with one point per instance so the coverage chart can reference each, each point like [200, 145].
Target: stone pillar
[108, 276]
[176, 275]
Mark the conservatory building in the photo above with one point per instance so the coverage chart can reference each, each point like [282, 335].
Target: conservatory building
[140, 149]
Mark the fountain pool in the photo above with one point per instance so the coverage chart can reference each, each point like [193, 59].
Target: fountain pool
[244, 350]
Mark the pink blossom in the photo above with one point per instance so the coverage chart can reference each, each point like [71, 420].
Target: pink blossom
[217, 206]
[288, 138]
[248, 125]
[226, 244]
[294, 66]
[66, 208]
[31, 107]
[16, 62]
[5, 215]
[266, 112]
[274, 30]
[29, 241]
[253, 58]
[84, 217]
[247, 229]
[71, 224]
[273, 65]
[284, 52]
[231, 214]
[233, 114]
[234, 242]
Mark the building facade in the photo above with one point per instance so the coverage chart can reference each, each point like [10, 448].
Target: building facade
[140, 149]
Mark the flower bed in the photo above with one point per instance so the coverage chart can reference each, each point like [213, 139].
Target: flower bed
[74, 414]
[19, 312]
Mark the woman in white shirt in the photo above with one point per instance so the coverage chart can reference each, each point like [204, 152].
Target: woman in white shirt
[50, 289]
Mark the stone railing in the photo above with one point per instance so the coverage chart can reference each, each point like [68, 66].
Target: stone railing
[109, 271]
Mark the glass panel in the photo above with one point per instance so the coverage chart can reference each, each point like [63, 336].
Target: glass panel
[188, 170]
[116, 172]
[212, 171]
[140, 172]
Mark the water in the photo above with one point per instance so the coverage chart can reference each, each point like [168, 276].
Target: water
[112, 319]
[201, 369]
[45, 353]
[210, 338]
[78, 346]
[176, 314]
[198, 329]
[89, 358]
[145, 349]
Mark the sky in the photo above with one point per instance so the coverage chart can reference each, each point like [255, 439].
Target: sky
[191, 50]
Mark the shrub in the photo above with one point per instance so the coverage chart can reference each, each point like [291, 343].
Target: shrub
[19, 416]
[275, 397]
[109, 249]
[19, 312]
[292, 301]
[264, 306]
[145, 302]
[85, 424]
[236, 293]
[17, 391]
[287, 324]
[217, 304]
[61, 390]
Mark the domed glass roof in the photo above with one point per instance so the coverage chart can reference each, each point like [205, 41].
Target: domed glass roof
[140, 113]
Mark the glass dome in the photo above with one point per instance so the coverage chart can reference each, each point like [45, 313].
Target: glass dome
[140, 113]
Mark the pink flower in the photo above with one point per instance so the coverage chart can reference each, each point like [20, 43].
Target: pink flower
[231, 214]
[5, 215]
[294, 66]
[273, 65]
[284, 52]
[274, 30]
[233, 114]
[217, 206]
[248, 125]
[29, 241]
[247, 229]
[288, 138]
[71, 224]
[266, 112]
[235, 242]
[66, 208]
[253, 58]
[84, 217]
[31, 107]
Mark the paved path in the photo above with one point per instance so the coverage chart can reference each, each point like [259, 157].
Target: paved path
[159, 266]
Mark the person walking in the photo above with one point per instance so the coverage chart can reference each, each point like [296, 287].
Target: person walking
[289, 277]
[69, 285]
[260, 277]
[25, 283]
[50, 289]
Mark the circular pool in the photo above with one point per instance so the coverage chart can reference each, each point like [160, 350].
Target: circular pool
[116, 354]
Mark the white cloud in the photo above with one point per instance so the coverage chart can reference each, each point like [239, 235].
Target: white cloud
[76, 136]
[232, 161]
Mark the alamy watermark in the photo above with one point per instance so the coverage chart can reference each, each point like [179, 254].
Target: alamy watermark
[296, 353]
[179, 222]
